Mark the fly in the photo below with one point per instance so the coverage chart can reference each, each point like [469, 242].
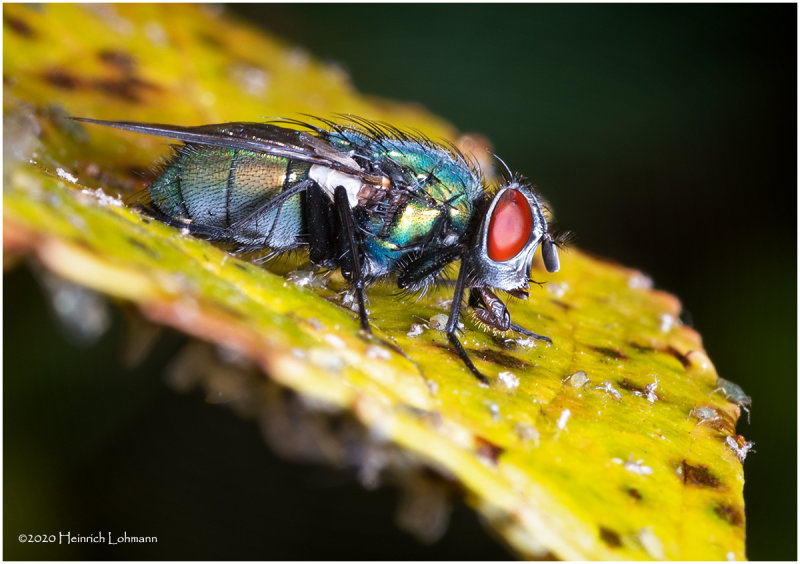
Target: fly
[364, 197]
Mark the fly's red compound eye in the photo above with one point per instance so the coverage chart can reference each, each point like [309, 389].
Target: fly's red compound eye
[510, 226]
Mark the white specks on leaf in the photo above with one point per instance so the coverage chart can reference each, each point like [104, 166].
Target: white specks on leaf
[297, 59]
[527, 433]
[443, 302]
[509, 380]
[433, 386]
[251, 79]
[651, 543]
[640, 281]
[108, 13]
[634, 466]
[558, 289]
[415, 330]
[741, 451]
[334, 341]
[156, 34]
[66, 175]
[666, 322]
[650, 390]
[608, 388]
[301, 277]
[563, 418]
[102, 197]
[326, 359]
[374, 351]
[525, 342]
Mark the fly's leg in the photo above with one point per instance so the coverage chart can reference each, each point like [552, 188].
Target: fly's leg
[522, 331]
[452, 322]
[350, 260]
[489, 309]
[319, 221]
[425, 267]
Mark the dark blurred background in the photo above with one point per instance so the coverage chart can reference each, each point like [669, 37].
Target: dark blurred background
[664, 137]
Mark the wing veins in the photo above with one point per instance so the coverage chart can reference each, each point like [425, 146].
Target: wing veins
[249, 136]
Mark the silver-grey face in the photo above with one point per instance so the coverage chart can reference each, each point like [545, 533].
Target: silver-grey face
[514, 273]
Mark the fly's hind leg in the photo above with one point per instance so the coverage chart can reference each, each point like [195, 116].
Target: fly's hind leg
[350, 261]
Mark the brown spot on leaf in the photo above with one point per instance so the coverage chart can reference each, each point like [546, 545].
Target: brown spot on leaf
[210, 40]
[638, 390]
[500, 358]
[626, 384]
[563, 305]
[682, 358]
[640, 348]
[118, 59]
[611, 538]
[634, 493]
[140, 245]
[729, 513]
[62, 79]
[721, 420]
[612, 353]
[19, 26]
[129, 88]
[699, 476]
[488, 450]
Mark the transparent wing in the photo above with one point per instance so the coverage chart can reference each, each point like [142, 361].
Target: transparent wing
[259, 137]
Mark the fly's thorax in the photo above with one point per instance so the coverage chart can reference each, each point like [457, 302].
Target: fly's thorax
[509, 233]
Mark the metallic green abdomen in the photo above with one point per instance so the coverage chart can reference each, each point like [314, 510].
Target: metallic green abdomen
[220, 188]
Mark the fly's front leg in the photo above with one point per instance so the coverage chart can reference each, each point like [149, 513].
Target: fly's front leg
[350, 260]
[490, 310]
[452, 321]
[522, 331]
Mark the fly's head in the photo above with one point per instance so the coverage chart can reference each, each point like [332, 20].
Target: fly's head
[509, 233]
